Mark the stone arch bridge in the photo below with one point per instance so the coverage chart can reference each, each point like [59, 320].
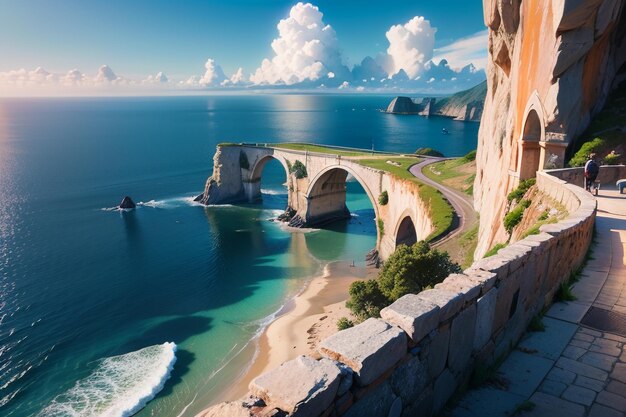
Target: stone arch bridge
[316, 184]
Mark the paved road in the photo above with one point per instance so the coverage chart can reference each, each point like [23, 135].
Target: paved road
[465, 216]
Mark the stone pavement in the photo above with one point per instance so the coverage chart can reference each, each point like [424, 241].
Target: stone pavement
[569, 369]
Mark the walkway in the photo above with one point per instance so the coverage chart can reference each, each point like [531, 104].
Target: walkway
[571, 369]
[461, 202]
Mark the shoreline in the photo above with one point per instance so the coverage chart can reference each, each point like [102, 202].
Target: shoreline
[303, 322]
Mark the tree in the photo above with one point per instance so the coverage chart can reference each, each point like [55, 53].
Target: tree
[408, 270]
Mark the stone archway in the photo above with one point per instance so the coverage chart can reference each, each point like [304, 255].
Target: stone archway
[252, 183]
[533, 134]
[405, 232]
[326, 195]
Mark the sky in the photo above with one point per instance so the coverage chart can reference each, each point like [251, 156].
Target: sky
[173, 41]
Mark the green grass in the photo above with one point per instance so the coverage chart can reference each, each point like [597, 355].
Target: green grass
[441, 212]
[495, 249]
[318, 149]
[536, 324]
[468, 242]
[523, 407]
[564, 293]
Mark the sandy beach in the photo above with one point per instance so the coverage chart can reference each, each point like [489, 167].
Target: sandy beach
[305, 320]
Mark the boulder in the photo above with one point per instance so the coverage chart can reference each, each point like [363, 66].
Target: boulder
[302, 387]
[370, 348]
[127, 203]
[414, 315]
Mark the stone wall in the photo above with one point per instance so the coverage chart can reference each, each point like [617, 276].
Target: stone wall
[410, 362]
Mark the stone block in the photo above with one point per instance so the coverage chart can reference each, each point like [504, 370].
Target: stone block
[370, 348]
[549, 405]
[515, 255]
[486, 279]
[485, 311]
[413, 314]
[422, 407]
[409, 379]
[302, 386]
[449, 302]
[461, 284]
[444, 387]
[496, 264]
[377, 403]
[438, 350]
[462, 339]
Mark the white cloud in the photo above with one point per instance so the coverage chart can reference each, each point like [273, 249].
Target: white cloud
[158, 79]
[105, 74]
[305, 50]
[410, 46]
[465, 51]
[238, 78]
[213, 75]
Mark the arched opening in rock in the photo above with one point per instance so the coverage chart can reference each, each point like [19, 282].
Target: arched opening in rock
[531, 150]
[406, 233]
[268, 182]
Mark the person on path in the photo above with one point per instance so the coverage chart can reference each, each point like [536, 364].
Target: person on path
[591, 171]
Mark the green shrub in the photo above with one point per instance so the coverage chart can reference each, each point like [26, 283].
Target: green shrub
[611, 159]
[366, 300]
[579, 159]
[536, 324]
[381, 226]
[383, 198]
[344, 323]
[544, 215]
[409, 270]
[514, 217]
[564, 293]
[243, 160]
[429, 152]
[494, 250]
[521, 189]
[298, 169]
[470, 156]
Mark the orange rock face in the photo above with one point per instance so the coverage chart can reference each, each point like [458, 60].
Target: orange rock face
[551, 66]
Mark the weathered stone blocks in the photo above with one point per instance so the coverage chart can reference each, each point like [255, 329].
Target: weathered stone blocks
[409, 379]
[449, 302]
[413, 314]
[485, 311]
[370, 348]
[462, 339]
[461, 284]
[300, 387]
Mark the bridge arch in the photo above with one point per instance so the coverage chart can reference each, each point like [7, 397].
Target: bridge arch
[252, 183]
[326, 193]
[405, 231]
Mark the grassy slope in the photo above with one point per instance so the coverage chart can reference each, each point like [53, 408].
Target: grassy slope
[440, 210]
[463, 97]
[319, 149]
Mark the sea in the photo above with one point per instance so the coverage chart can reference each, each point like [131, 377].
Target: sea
[156, 311]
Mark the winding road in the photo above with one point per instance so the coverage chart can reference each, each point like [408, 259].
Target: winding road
[464, 215]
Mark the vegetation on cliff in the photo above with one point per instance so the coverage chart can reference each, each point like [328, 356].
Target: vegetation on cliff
[456, 173]
[606, 133]
[409, 270]
[429, 152]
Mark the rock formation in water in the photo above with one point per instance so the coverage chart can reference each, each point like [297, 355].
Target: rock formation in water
[465, 105]
[127, 203]
[551, 66]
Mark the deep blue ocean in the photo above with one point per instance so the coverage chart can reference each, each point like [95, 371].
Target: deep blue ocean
[89, 295]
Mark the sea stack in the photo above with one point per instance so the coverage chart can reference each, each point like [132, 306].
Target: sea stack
[127, 203]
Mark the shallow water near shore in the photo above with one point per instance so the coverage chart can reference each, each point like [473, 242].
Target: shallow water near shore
[80, 283]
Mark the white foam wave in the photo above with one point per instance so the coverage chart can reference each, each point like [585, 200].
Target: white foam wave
[119, 387]
[273, 192]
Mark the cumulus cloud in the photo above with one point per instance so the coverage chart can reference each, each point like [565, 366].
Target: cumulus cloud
[465, 51]
[158, 79]
[238, 78]
[105, 74]
[213, 75]
[410, 46]
[305, 50]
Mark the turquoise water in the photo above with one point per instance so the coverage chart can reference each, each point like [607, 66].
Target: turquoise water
[83, 286]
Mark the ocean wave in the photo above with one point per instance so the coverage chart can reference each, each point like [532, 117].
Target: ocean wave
[119, 387]
[273, 192]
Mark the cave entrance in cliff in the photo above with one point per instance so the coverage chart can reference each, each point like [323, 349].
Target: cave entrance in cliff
[336, 195]
[406, 234]
[531, 149]
[272, 178]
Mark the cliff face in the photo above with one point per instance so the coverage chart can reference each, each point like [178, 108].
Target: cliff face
[465, 105]
[551, 66]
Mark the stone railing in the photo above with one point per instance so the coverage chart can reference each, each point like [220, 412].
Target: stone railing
[410, 362]
[608, 174]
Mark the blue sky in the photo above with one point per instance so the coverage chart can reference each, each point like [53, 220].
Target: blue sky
[142, 37]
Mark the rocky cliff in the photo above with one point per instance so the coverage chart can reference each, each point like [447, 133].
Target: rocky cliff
[465, 105]
[551, 66]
